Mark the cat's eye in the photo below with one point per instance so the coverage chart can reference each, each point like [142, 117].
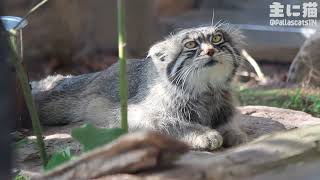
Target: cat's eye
[217, 38]
[191, 44]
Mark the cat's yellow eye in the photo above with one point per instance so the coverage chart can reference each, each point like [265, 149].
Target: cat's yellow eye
[217, 38]
[191, 44]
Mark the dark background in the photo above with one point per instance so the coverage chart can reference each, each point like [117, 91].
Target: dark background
[6, 104]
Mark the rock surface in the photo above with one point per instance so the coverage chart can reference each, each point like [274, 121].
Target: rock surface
[289, 119]
[256, 121]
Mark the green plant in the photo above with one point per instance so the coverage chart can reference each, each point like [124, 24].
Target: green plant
[123, 71]
[295, 101]
[89, 137]
[21, 177]
[306, 99]
[58, 158]
[23, 78]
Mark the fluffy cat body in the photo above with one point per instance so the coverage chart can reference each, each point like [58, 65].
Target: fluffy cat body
[181, 89]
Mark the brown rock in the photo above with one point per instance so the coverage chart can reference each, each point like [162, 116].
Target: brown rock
[257, 126]
[288, 118]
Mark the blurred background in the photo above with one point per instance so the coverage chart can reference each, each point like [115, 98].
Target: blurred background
[281, 63]
[80, 36]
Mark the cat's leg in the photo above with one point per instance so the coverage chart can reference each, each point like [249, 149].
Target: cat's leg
[197, 136]
[232, 134]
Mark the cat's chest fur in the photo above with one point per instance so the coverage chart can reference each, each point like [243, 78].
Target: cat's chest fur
[209, 109]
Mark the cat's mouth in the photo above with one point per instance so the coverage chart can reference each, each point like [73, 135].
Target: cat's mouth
[211, 62]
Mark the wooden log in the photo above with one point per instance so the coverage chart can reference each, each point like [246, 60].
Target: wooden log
[268, 154]
[293, 155]
[129, 154]
[290, 155]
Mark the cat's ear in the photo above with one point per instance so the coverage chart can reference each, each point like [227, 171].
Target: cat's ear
[158, 51]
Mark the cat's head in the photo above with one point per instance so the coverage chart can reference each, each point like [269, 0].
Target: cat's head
[199, 58]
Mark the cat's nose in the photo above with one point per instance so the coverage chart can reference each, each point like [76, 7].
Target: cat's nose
[210, 52]
[207, 50]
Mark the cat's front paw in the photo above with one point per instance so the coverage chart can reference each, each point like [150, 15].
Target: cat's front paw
[209, 140]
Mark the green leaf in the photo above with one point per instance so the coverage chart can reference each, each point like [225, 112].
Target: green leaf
[58, 158]
[91, 137]
[21, 177]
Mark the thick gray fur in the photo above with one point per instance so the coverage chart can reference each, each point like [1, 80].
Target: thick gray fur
[177, 91]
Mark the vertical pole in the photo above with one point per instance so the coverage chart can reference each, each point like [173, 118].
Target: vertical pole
[123, 69]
